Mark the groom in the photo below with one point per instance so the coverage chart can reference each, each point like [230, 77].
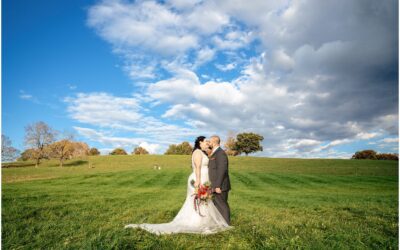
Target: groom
[219, 177]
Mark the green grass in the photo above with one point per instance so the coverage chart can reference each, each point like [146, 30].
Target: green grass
[275, 204]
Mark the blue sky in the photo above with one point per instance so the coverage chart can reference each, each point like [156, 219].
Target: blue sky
[316, 79]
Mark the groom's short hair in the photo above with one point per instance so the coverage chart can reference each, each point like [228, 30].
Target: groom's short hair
[216, 138]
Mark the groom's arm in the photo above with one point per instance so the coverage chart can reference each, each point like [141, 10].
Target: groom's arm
[222, 168]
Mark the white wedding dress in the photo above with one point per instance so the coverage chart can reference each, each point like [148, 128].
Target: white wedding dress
[188, 219]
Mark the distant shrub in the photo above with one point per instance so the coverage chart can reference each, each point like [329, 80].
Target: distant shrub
[372, 155]
[28, 154]
[118, 151]
[140, 151]
[180, 149]
[365, 154]
[387, 156]
[94, 151]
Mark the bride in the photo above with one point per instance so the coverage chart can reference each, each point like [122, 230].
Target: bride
[188, 220]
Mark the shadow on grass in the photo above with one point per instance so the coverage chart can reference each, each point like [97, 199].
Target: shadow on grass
[75, 163]
[17, 164]
[20, 164]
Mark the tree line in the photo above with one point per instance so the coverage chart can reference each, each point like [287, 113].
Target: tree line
[243, 143]
[370, 154]
[43, 142]
[235, 145]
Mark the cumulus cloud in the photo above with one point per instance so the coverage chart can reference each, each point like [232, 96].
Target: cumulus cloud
[204, 55]
[390, 140]
[143, 24]
[232, 40]
[122, 116]
[309, 76]
[117, 142]
[227, 67]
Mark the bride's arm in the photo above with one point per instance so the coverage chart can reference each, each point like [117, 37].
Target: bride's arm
[197, 158]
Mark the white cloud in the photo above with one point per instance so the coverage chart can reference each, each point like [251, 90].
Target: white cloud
[367, 136]
[100, 137]
[183, 4]
[26, 96]
[151, 148]
[317, 76]
[122, 115]
[390, 140]
[204, 55]
[233, 40]
[23, 95]
[185, 87]
[91, 108]
[123, 122]
[206, 18]
[227, 67]
[146, 24]
[140, 71]
[117, 142]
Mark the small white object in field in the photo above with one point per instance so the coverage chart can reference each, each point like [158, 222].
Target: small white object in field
[156, 167]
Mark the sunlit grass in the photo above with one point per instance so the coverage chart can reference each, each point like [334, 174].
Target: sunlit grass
[275, 203]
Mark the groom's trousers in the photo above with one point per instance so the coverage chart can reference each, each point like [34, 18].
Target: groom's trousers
[221, 202]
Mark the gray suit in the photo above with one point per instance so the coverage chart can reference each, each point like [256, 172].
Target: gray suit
[219, 177]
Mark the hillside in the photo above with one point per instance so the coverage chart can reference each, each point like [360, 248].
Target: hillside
[275, 203]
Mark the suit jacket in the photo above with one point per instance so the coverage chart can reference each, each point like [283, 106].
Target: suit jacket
[218, 170]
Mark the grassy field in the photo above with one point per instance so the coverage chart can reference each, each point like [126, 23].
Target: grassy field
[275, 203]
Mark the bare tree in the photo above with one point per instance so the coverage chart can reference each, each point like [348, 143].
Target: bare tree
[38, 136]
[8, 152]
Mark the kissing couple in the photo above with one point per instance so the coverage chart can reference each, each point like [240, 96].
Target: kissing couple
[206, 209]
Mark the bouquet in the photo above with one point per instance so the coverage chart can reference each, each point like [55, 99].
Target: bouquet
[202, 195]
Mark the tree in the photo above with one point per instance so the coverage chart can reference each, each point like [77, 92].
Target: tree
[38, 136]
[8, 152]
[230, 146]
[81, 149]
[28, 154]
[365, 154]
[372, 155]
[179, 149]
[248, 143]
[94, 151]
[387, 156]
[62, 150]
[118, 151]
[140, 151]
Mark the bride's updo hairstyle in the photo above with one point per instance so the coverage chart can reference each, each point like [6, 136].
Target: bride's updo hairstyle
[197, 143]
